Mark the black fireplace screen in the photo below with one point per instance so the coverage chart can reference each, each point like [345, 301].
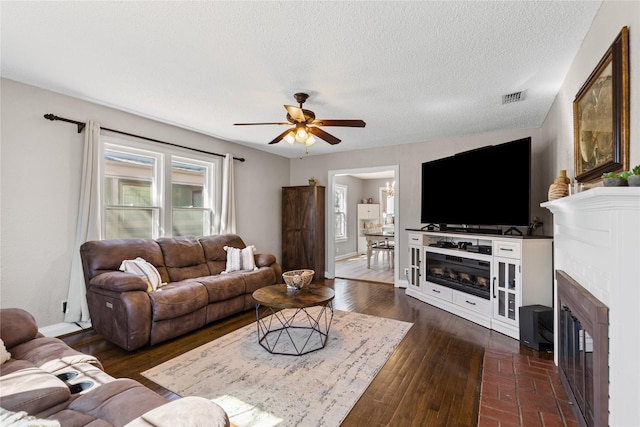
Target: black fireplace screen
[583, 343]
[576, 360]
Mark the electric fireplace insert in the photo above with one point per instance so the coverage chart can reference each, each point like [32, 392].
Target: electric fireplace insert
[463, 274]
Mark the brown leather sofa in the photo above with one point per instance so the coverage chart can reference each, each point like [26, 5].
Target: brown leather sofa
[47, 379]
[196, 293]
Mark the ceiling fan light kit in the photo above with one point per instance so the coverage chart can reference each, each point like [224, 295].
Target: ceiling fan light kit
[306, 125]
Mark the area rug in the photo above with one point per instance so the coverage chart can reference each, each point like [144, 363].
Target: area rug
[257, 388]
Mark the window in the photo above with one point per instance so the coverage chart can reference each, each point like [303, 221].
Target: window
[340, 203]
[130, 196]
[191, 216]
[138, 203]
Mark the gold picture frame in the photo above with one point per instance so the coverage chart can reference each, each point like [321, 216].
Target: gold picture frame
[601, 115]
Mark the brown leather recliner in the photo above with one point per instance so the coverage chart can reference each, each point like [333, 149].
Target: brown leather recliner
[197, 290]
[47, 379]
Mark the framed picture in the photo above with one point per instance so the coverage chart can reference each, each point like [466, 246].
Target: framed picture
[601, 115]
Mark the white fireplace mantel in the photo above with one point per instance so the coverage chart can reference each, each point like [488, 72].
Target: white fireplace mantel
[597, 242]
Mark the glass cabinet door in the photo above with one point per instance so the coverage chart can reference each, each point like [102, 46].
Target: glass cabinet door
[506, 289]
[415, 253]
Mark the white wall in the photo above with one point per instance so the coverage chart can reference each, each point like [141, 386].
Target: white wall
[558, 130]
[40, 182]
[558, 127]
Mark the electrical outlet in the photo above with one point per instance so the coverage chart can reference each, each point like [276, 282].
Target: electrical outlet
[406, 272]
[64, 305]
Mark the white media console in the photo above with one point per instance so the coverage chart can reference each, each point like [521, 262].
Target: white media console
[482, 278]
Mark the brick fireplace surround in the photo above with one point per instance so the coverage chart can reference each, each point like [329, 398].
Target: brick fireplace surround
[597, 244]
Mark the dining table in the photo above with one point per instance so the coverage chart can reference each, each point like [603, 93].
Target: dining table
[380, 242]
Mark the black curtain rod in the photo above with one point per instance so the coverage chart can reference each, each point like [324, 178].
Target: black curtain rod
[82, 125]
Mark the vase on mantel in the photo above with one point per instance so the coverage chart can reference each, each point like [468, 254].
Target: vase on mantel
[560, 186]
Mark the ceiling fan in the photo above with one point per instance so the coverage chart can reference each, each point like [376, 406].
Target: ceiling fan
[306, 125]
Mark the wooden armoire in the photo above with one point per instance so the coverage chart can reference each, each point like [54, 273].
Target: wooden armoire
[303, 225]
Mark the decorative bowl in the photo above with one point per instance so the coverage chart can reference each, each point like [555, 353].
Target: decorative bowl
[297, 279]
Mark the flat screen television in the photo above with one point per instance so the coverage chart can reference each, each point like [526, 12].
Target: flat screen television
[489, 186]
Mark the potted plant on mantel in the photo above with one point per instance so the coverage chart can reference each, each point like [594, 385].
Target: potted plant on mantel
[313, 181]
[622, 179]
[634, 178]
[615, 179]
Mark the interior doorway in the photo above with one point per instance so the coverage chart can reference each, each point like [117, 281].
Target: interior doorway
[379, 182]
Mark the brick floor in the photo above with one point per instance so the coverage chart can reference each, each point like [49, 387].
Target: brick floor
[519, 390]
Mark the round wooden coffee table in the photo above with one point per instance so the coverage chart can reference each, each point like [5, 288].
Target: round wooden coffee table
[293, 322]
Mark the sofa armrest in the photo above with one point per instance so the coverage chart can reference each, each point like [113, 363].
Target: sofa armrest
[188, 411]
[264, 260]
[119, 281]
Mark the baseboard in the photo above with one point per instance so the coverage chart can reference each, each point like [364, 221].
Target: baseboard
[402, 284]
[63, 328]
[345, 256]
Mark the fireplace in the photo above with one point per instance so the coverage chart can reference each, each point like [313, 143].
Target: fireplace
[463, 274]
[583, 350]
[596, 243]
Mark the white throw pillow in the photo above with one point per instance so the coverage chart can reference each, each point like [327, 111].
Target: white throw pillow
[248, 260]
[240, 259]
[4, 354]
[234, 259]
[145, 270]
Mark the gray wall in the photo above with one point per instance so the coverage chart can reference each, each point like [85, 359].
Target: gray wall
[409, 158]
[41, 166]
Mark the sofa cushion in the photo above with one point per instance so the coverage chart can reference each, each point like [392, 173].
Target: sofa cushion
[17, 326]
[118, 402]
[32, 390]
[13, 365]
[176, 299]
[51, 354]
[257, 279]
[223, 286]
[183, 258]
[214, 252]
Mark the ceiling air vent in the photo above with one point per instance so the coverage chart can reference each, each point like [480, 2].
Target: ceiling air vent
[513, 97]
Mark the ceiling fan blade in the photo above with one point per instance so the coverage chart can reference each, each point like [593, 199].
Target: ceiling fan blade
[269, 123]
[279, 137]
[324, 135]
[296, 113]
[344, 123]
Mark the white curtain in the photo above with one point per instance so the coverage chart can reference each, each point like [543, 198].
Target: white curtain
[228, 211]
[88, 225]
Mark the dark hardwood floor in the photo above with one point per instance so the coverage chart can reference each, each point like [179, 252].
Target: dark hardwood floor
[432, 379]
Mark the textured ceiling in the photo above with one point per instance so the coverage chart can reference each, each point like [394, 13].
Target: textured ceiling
[413, 71]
